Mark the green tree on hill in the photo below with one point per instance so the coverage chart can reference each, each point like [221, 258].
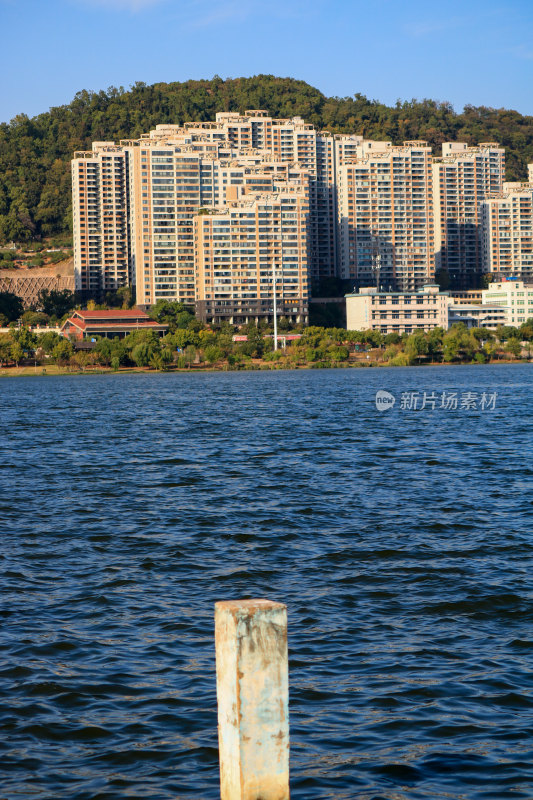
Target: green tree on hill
[213, 354]
[144, 352]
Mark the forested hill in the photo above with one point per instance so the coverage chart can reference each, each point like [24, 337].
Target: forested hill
[35, 153]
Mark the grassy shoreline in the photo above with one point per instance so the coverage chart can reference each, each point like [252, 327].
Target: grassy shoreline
[259, 366]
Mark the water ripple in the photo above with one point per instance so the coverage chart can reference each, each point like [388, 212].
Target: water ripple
[401, 543]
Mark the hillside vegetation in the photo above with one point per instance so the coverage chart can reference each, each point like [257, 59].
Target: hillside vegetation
[35, 193]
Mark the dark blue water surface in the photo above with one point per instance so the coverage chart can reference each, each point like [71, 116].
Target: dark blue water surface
[401, 542]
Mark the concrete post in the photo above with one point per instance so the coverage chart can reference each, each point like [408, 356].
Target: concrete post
[253, 699]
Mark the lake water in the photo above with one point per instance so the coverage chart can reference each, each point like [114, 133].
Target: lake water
[400, 540]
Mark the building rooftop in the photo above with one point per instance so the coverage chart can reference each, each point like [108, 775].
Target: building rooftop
[365, 291]
[112, 314]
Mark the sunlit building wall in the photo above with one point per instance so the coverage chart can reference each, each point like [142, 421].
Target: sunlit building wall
[100, 210]
[239, 248]
[385, 216]
[507, 224]
[462, 179]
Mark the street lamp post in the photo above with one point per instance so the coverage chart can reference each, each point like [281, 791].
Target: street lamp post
[275, 306]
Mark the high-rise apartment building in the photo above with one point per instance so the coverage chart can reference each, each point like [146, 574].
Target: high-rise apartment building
[295, 141]
[385, 216]
[102, 257]
[348, 147]
[238, 249]
[172, 172]
[462, 178]
[378, 214]
[171, 179]
[507, 222]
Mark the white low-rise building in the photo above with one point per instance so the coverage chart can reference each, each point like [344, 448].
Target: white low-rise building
[397, 312]
[515, 296]
[477, 316]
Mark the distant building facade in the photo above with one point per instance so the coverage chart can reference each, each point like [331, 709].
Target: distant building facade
[508, 231]
[385, 216]
[100, 204]
[466, 296]
[239, 248]
[477, 316]
[397, 312]
[462, 179]
[378, 214]
[515, 297]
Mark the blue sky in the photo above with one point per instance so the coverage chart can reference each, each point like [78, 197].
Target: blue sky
[462, 51]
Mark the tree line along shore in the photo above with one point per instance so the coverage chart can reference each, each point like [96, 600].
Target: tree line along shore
[193, 345]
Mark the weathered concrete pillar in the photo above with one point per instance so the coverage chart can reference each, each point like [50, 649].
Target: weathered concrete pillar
[253, 699]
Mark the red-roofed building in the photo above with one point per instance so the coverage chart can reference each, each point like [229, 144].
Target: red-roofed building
[115, 323]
